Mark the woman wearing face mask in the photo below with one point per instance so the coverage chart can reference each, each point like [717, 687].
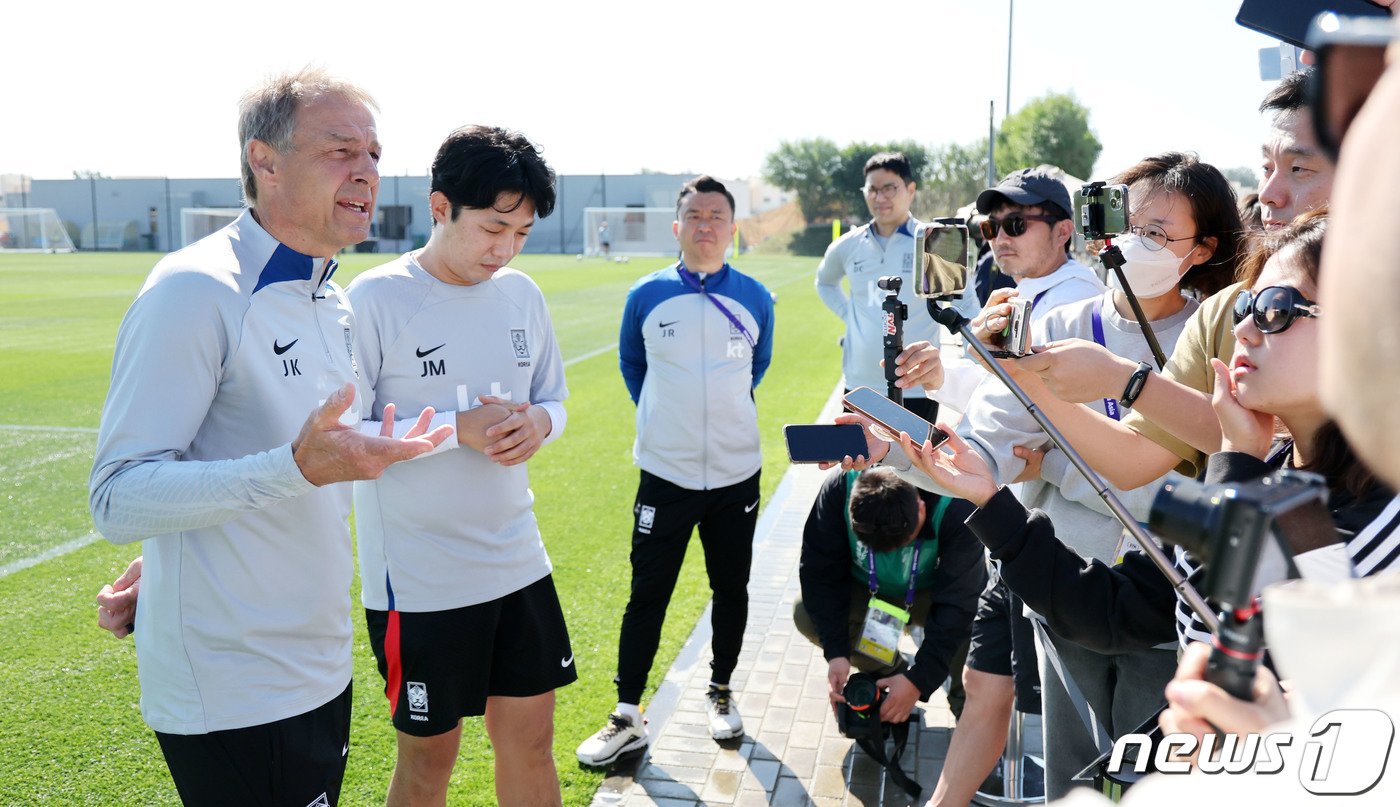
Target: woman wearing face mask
[1185, 235]
[1272, 374]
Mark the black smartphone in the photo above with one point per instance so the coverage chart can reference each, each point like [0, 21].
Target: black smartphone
[1289, 20]
[891, 418]
[810, 443]
[1350, 58]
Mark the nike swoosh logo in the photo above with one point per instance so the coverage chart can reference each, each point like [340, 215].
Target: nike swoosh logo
[669, 324]
[564, 662]
[421, 352]
[750, 508]
[280, 349]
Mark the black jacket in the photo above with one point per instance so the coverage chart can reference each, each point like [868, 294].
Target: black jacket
[826, 579]
[1116, 609]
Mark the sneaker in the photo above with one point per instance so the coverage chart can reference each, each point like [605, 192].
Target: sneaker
[725, 722]
[618, 737]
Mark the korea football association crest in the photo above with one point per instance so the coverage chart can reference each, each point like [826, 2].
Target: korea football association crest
[646, 518]
[517, 341]
[417, 696]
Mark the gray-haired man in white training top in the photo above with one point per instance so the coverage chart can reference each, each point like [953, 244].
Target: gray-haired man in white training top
[207, 455]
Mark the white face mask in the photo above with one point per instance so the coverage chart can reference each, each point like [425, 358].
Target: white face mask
[1150, 273]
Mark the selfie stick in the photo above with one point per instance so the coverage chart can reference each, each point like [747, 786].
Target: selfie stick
[957, 323]
[895, 314]
[1112, 258]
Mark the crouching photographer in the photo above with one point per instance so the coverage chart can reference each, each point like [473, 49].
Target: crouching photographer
[878, 556]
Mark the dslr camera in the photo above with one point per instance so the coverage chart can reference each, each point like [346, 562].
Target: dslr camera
[1101, 210]
[1227, 526]
[859, 717]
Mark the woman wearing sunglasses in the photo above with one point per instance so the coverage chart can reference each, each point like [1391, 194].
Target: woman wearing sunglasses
[1273, 373]
[1185, 236]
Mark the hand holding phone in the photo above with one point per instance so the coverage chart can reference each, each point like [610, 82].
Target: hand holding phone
[890, 418]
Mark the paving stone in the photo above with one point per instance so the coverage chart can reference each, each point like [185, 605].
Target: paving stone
[733, 759]
[643, 800]
[801, 761]
[828, 781]
[694, 776]
[805, 735]
[668, 789]
[722, 787]
[833, 750]
[790, 793]
[785, 695]
[763, 773]
[778, 719]
[685, 759]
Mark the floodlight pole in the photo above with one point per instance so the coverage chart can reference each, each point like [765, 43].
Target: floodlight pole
[1010, 20]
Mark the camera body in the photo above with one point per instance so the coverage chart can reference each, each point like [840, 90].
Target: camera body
[1227, 525]
[890, 284]
[1101, 210]
[859, 717]
[942, 256]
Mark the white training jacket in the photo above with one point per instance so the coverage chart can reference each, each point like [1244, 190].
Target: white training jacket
[244, 613]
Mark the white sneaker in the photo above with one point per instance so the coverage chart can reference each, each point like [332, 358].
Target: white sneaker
[618, 737]
[725, 722]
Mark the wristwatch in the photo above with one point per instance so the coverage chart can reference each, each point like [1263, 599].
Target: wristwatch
[1136, 382]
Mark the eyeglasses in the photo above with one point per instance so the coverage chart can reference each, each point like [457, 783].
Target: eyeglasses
[1014, 223]
[1154, 237]
[1274, 308]
[876, 191]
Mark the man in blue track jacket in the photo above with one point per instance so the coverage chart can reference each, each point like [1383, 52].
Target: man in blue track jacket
[696, 338]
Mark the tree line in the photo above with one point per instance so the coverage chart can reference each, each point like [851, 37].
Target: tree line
[827, 178]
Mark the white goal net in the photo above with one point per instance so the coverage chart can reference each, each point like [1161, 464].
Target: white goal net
[197, 222]
[629, 231]
[32, 229]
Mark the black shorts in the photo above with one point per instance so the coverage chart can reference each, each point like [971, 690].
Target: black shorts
[1003, 643]
[294, 762]
[441, 666]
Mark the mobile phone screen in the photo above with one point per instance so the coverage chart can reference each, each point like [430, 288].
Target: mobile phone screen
[825, 443]
[891, 416]
[1288, 20]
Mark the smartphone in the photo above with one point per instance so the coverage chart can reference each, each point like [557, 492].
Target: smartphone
[1350, 57]
[891, 418]
[942, 255]
[824, 442]
[1101, 210]
[1288, 20]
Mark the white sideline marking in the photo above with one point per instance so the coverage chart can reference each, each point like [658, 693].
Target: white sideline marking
[590, 354]
[52, 552]
[19, 427]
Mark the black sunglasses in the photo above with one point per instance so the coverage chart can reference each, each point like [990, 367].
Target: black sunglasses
[1014, 223]
[1274, 308]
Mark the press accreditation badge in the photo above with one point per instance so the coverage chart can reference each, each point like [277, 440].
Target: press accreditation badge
[884, 624]
[1126, 543]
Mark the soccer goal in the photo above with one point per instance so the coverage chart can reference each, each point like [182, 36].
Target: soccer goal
[32, 229]
[197, 222]
[629, 230]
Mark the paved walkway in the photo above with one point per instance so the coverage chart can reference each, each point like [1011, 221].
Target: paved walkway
[791, 753]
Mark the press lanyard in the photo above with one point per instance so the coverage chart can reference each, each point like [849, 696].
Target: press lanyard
[690, 281]
[913, 568]
[1110, 405]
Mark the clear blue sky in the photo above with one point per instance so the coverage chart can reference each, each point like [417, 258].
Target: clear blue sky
[150, 88]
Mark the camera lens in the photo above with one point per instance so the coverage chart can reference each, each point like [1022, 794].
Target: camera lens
[860, 693]
[1186, 513]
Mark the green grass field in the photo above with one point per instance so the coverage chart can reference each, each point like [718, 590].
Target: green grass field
[70, 727]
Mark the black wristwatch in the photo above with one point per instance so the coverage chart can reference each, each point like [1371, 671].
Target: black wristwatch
[1136, 382]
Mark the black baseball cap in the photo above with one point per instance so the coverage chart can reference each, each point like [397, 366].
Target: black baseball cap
[1029, 186]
